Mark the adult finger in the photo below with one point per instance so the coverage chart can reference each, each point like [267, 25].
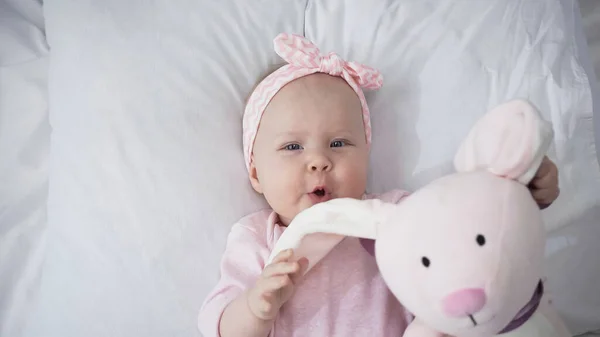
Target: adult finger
[550, 180]
[544, 168]
[545, 196]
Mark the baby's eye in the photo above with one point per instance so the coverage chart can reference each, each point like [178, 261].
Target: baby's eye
[293, 147]
[337, 143]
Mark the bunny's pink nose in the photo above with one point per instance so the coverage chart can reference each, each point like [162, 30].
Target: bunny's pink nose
[464, 302]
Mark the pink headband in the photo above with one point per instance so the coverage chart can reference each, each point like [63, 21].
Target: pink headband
[303, 59]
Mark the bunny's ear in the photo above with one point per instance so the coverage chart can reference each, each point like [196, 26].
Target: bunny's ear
[510, 141]
[317, 230]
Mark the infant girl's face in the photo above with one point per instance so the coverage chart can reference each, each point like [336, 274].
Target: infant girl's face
[310, 146]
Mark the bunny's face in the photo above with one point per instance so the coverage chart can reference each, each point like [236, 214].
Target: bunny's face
[463, 253]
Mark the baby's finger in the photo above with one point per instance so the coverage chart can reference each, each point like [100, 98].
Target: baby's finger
[265, 305]
[283, 256]
[274, 283]
[281, 268]
[302, 266]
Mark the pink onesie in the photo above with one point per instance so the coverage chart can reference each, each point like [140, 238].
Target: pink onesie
[343, 295]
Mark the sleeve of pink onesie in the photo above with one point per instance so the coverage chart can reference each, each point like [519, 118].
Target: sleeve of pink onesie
[241, 265]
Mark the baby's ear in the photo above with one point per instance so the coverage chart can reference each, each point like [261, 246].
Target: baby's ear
[317, 230]
[510, 141]
[253, 176]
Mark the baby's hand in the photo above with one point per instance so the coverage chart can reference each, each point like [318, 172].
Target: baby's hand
[544, 186]
[275, 285]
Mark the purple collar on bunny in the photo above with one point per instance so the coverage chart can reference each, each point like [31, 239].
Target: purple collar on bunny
[528, 310]
[522, 316]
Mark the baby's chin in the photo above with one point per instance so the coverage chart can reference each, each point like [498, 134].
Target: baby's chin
[287, 214]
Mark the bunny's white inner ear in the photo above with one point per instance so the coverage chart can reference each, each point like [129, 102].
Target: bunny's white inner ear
[510, 141]
[317, 230]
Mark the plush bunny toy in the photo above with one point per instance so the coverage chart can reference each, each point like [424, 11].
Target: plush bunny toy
[464, 254]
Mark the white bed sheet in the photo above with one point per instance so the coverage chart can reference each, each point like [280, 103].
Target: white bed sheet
[573, 262]
[590, 11]
[590, 334]
[128, 198]
[590, 20]
[22, 215]
[24, 147]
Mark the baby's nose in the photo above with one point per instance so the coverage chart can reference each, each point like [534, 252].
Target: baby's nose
[319, 163]
[464, 302]
[319, 167]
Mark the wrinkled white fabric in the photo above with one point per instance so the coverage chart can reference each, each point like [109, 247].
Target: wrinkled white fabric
[24, 147]
[147, 169]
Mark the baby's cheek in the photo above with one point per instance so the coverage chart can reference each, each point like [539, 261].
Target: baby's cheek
[282, 183]
[353, 177]
[286, 181]
[279, 195]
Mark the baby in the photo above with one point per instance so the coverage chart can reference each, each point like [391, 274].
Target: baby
[306, 140]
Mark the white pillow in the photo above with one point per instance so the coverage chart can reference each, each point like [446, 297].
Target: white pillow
[147, 172]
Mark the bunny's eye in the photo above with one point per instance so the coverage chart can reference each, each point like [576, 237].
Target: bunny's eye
[425, 261]
[480, 240]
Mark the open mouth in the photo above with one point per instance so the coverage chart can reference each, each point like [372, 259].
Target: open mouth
[320, 194]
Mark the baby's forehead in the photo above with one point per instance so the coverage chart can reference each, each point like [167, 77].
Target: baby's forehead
[317, 85]
[311, 106]
[317, 93]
